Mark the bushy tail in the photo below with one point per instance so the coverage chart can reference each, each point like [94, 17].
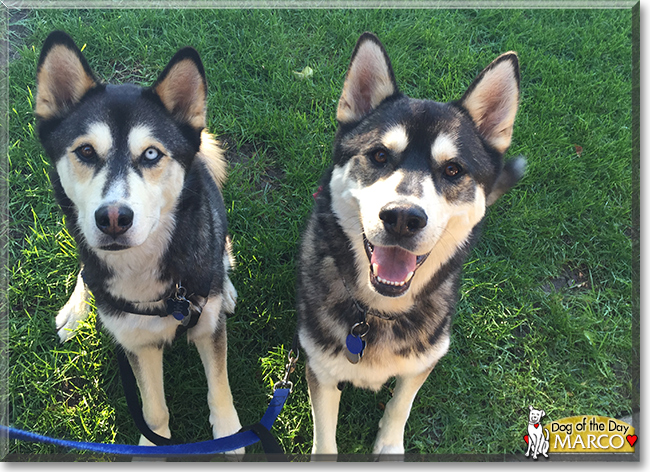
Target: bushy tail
[512, 172]
[212, 156]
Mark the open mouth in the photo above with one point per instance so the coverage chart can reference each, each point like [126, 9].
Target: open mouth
[391, 268]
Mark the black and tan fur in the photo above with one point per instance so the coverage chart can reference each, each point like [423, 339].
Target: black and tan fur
[138, 179]
[392, 226]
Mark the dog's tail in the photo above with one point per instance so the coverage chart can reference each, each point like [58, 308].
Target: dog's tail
[512, 172]
[212, 156]
[547, 433]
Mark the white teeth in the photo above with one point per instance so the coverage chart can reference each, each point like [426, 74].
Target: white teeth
[408, 277]
[374, 269]
[388, 282]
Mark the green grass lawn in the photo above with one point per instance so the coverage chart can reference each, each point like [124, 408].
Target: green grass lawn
[545, 311]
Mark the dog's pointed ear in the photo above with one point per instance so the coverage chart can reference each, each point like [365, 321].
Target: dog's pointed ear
[492, 100]
[63, 76]
[182, 88]
[368, 82]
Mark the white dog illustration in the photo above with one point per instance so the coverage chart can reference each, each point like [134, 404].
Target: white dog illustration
[536, 440]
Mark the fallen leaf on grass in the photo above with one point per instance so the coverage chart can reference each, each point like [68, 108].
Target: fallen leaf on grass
[578, 149]
[305, 73]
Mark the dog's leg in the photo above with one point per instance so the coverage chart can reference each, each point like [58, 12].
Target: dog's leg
[76, 309]
[324, 400]
[212, 347]
[545, 446]
[390, 439]
[536, 445]
[533, 446]
[530, 442]
[147, 365]
[539, 445]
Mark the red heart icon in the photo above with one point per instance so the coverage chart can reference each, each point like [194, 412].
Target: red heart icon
[631, 439]
[526, 439]
[536, 425]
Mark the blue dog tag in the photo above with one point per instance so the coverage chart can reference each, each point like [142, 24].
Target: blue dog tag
[178, 308]
[355, 344]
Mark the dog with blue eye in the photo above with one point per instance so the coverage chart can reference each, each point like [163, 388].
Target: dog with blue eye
[139, 181]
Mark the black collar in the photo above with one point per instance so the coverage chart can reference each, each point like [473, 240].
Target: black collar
[186, 310]
[363, 309]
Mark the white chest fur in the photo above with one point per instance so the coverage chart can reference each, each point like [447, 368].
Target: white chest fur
[375, 368]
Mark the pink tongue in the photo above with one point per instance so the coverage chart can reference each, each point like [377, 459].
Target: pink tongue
[393, 263]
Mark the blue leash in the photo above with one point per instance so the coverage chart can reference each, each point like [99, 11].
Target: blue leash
[215, 446]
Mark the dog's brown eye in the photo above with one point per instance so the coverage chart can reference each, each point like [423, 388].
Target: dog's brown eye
[86, 152]
[380, 156]
[452, 170]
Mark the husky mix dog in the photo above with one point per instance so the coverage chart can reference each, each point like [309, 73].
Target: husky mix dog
[394, 220]
[138, 179]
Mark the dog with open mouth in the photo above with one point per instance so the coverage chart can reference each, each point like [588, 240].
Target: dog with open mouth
[138, 178]
[394, 220]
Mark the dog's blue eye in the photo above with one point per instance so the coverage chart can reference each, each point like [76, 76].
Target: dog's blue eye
[86, 153]
[151, 155]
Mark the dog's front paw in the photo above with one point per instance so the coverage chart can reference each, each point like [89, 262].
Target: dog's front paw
[144, 441]
[324, 452]
[390, 439]
[237, 455]
[388, 452]
[147, 458]
[227, 428]
[323, 457]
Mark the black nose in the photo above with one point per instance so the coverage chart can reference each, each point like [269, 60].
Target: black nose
[113, 219]
[403, 220]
